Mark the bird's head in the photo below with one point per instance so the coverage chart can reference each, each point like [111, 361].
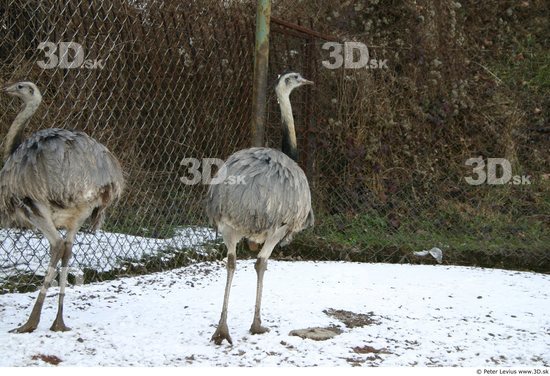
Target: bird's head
[290, 81]
[25, 90]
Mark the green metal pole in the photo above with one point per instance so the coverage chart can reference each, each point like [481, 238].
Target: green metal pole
[261, 59]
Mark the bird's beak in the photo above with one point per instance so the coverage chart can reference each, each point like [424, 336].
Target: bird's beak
[9, 89]
[303, 81]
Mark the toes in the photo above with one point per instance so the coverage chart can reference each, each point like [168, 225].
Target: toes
[220, 335]
[24, 329]
[60, 328]
[258, 329]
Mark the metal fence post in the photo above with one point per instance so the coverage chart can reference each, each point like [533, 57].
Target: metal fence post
[261, 58]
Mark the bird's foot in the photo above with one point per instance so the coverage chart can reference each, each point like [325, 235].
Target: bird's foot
[59, 326]
[221, 333]
[257, 328]
[28, 327]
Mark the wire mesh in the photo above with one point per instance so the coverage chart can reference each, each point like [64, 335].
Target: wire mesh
[157, 82]
[160, 81]
[385, 146]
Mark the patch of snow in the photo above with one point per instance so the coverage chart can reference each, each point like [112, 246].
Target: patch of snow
[424, 315]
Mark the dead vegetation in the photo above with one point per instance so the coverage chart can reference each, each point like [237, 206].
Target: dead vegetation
[385, 149]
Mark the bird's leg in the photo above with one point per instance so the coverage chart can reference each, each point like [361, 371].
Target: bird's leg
[222, 331]
[58, 325]
[256, 327]
[261, 266]
[57, 249]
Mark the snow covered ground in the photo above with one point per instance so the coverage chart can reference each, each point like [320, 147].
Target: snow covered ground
[28, 251]
[419, 316]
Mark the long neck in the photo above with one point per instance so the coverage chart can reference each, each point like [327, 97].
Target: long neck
[14, 137]
[289, 146]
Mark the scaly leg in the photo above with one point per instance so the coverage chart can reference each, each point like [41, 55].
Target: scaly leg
[32, 323]
[230, 238]
[40, 217]
[58, 325]
[261, 266]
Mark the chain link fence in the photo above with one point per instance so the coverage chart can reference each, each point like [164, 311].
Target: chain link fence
[160, 81]
[154, 81]
[388, 144]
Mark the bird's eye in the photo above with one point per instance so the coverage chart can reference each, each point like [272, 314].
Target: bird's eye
[20, 86]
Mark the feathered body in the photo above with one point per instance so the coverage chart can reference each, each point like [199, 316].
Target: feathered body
[55, 179]
[65, 172]
[273, 191]
[263, 195]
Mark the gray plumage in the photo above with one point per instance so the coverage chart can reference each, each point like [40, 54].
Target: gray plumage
[63, 170]
[260, 194]
[275, 191]
[55, 179]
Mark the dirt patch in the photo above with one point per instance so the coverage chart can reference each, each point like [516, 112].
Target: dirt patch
[50, 359]
[316, 334]
[352, 319]
[369, 350]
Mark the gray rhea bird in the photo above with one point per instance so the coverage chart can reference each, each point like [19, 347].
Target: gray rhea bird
[272, 203]
[55, 179]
